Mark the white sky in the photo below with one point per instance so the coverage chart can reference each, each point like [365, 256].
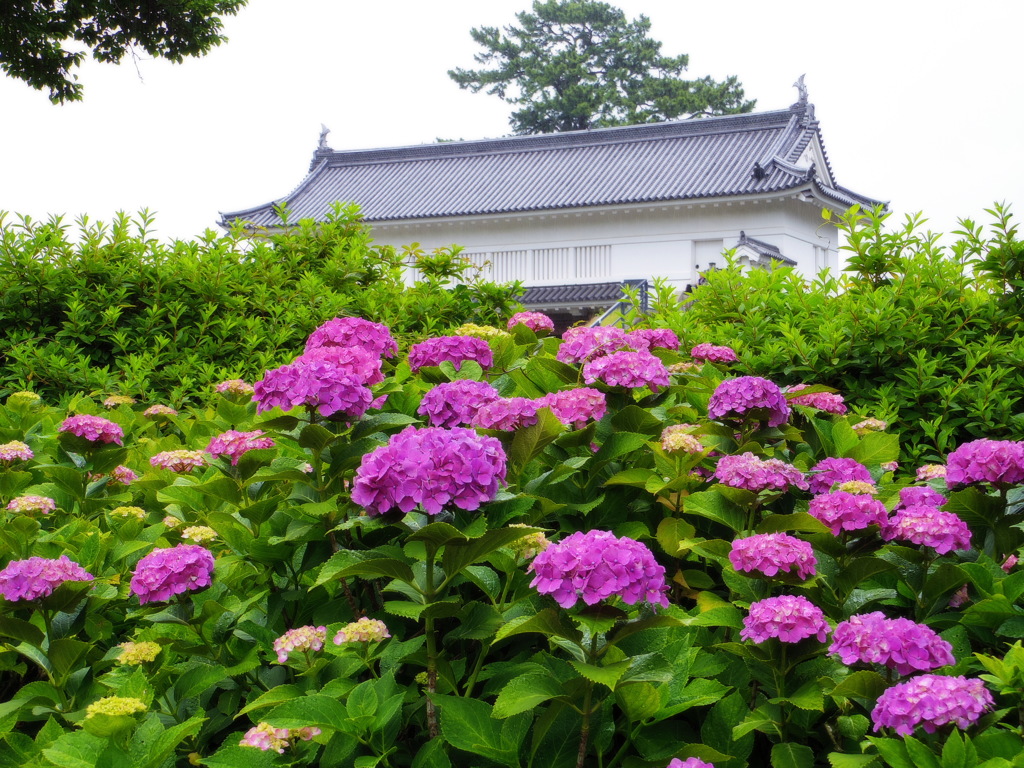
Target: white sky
[920, 103]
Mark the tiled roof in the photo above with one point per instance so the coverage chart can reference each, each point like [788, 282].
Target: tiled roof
[762, 248]
[590, 293]
[676, 160]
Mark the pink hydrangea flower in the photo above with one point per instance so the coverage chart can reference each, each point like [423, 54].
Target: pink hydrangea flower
[627, 369]
[179, 461]
[15, 451]
[931, 701]
[931, 471]
[164, 573]
[536, 321]
[363, 630]
[928, 526]
[595, 566]
[362, 364]
[266, 738]
[584, 343]
[155, 411]
[749, 397]
[506, 414]
[123, 475]
[37, 577]
[302, 639]
[454, 349]
[709, 353]
[899, 644]
[999, 462]
[756, 474]
[917, 495]
[772, 553]
[842, 511]
[354, 332]
[233, 444]
[95, 429]
[653, 338]
[677, 438]
[575, 407]
[791, 618]
[314, 383]
[829, 472]
[869, 425]
[829, 402]
[1009, 563]
[431, 468]
[690, 762]
[234, 387]
[455, 403]
[31, 503]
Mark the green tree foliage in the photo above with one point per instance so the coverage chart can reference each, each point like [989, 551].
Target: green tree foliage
[578, 64]
[34, 35]
[118, 311]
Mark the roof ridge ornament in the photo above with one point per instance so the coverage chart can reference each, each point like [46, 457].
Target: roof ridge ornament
[802, 104]
[324, 130]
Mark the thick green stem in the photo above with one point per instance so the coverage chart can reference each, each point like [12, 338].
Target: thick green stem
[429, 595]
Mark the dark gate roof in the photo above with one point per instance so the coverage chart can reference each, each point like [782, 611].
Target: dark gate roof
[714, 157]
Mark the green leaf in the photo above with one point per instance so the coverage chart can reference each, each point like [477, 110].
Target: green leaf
[234, 756]
[528, 442]
[893, 752]
[954, 753]
[795, 521]
[16, 629]
[808, 696]
[459, 554]
[921, 754]
[714, 506]
[524, 693]
[790, 755]
[672, 531]
[379, 567]
[469, 725]
[65, 654]
[316, 438]
[635, 477]
[875, 448]
[859, 571]
[639, 701]
[437, 534]
[548, 622]
[619, 444]
[842, 760]
[379, 422]
[198, 679]
[77, 749]
[607, 675]
[864, 684]
[313, 710]
[271, 698]
[633, 418]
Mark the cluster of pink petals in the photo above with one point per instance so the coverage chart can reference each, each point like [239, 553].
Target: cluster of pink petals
[842, 511]
[155, 411]
[363, 630]
[179, 461]
[507, 414]
[595, 566]
[772, 553]
[233, 444]
[931, 471]
[916, 495]
[584, 343]
[791, 618]
[455, 403]
[690, 762]
[302, 639]
[931, 701]
[575, 407]
[430, 468]
[535, 321]
[15, 451]
[354, 332]
[318, 384]
[266, 738]
[829, 402]
[709, 353]
[234, 387]
[95, 429]
[677, 438]
[832, 471]
[37, 577]
[899, 644]
[755, 474]
[653, 338]
[164, 573]
[453, 349]
[360, 363]
[123, 475]
[749, 397]
[1000, 462]
[32, 503]
[627, 369]
[928, 526]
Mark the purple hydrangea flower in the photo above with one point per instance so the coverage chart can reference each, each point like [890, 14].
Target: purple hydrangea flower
[842, 511]
[627, 369]
[709, 353]
[37, 577]
[354, 332]
[536, 321]
[95, 429]
[233, 444]
[361, 363]
[1000, 462]
[652, 338]
[899, 644]
[506, 414]
[772, 553]
[931, 701]
[791, 618]
[454, 349]
[595, 566]
[755, 474]
[928, 526]
[431, 468]
[690, 762]
[749, 397]
[829, 472]
[582, 344]
[575, 407]
[920, 495]
[164, 573]
[829, 402]
[455, 403]
[318, 384]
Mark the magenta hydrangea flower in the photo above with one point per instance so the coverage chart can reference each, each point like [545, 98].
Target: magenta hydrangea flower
[581, 344]
[829, 472]
[179, 461]
[842, 511]
[454, 349]
[899, 644]
[931, 701]
[15, 451]
[164, 573]
[627, 369]
[920, 495]
[690, 762]
[506, 414]
[32, 503]
[575, 407]
[315, 383]
[653, 338]
[361, 364]
[37, 577]
[829, 402]
[749, 397]
[928, 526]
[431, 468]
[756, 474]
[595, 566]
[791, 618]
[302, 639]
[233, 444]
[95, 429]
[999, 462]
[354, 332]
[123, 475]
[537, 322]
[709, 353]
[772, 553]
[455, 403]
